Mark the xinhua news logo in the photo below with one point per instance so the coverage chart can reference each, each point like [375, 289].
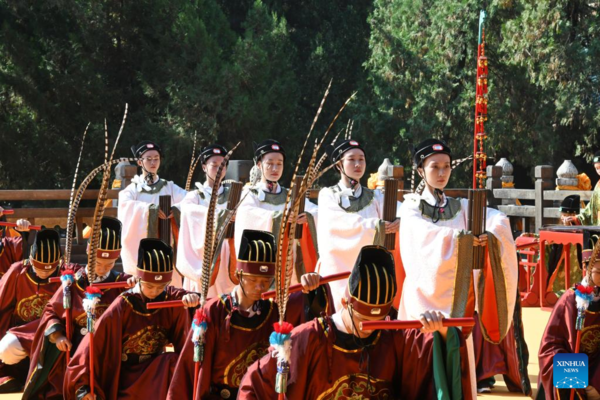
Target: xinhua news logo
[570, 371]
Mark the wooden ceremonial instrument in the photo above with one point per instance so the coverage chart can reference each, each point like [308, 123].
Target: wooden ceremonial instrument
[101, 286]
[14, 225]
[164, 225]
[390, 206]
[298, 287]
[164, 304]
[297, 185]
[476, 223]
[235, 193]
[414, 324]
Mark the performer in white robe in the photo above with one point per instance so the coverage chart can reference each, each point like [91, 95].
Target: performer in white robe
[138, 204]
[262, 205]
[192, 229]
[351, 217]
[436, 251]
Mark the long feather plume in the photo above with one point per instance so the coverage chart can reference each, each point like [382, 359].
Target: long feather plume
[71, 217]
[188, 181]
[210, 244]
[291, 210]
[100, 206]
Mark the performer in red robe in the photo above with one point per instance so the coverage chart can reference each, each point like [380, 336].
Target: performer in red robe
[11, 247]
[240, 323]
[48, 360]
[24, 292]
[129, 340]
[333, 357]
[561, 335]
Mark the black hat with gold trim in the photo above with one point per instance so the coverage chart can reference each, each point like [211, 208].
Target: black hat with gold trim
[109, 247]
[372, 283]
[266, 147]
[345, 146]
[429, 147]
[211, 151]
[257, 254]
[571, 204]
[46, 252]
[155, 261]
[144, 146]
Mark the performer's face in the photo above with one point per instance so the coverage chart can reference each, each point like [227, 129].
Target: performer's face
[597, 166]
[255, 286]
[564, 215]
[437, 169]
[44, 273]
[212, 167]
[355, 318]
[152, 290]
[271, 166]
[104, 265]
[596, 274]
[354, 163]
[150, 161]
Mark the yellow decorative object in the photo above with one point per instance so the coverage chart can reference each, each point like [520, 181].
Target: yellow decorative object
[584, 183]
[373, 180]
[87, 232]
[508, 185]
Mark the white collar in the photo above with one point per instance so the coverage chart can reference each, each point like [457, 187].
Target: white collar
[431, 200]
[101, 278]
[206, 188]
[339, 322]
[263, 186]
[356, 192]
[250, 311]
[140, 182]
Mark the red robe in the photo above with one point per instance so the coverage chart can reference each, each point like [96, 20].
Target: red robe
[23, 297]
[129, 343]
[48, 364]
[329, 364]
[233, 342]
[560, 337]
[11, 251]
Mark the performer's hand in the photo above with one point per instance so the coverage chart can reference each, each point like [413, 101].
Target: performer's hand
[569, 221]
[432, 321]
[310, 282]
[191, 300]
[23, 225]
[132, 281]
[480, 240]
[62, 343]
[392, 227]
[302, 219]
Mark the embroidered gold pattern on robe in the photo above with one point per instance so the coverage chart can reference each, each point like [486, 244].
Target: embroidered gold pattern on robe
[31, 308]
[354, 387]
[150, 340]
[590, 340]
[238, 367]
[81, 319]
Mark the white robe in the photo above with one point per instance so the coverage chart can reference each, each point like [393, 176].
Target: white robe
[192, 233]
[257, 211]
[134, 212]
[429, 253]
[341, 233]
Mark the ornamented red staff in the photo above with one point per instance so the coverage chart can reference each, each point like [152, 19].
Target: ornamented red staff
[481, 102]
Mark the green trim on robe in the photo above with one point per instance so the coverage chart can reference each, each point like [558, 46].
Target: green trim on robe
[312, 227]
[156, 188]
[47, 360]
[446, 366]
[379, 239]
[463, 278]
[589, 215]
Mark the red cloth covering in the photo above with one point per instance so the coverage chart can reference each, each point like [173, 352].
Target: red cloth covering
[129, 342]
[560, 337]
[11, 251]
[233, 343]
[48, 364]
[23, 297]
[399, 366]
[499, 359]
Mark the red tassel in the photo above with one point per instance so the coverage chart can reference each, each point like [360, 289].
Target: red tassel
[283, 328]
[584, 289]
[67, 272]
[200, 316]
[93, 290]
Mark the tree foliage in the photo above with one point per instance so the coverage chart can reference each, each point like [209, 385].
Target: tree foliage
[250, 70]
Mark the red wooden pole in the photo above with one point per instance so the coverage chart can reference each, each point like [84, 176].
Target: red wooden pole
[14, 225]
[164, 304]
[414, 324]
[298, 287]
